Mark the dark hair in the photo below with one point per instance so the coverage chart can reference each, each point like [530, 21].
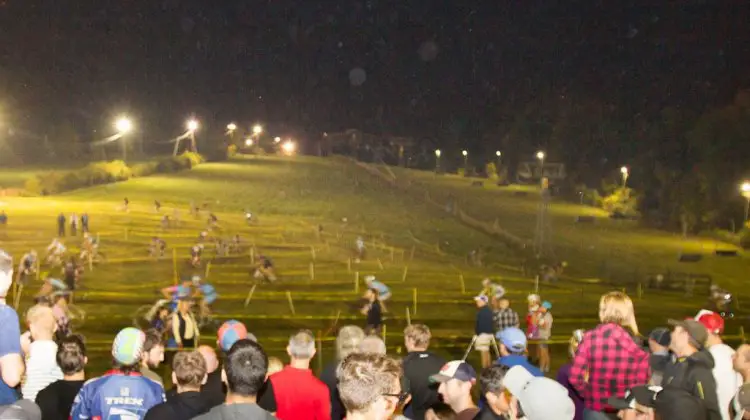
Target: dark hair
[491, 379]
[153, 339]
[71, 354]
[246, 368]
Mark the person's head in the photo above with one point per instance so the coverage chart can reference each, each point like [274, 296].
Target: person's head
[301, 345]
[486, 282]
[372, 294]
[195, 280]
[369, 280]
[41, 321]
[127, 349]
[512, 341]
[6, 273]
[574, 342]
[658, 339]
[617, 308]
[491, 382]
[229, 333]
[71, 355]
[713, 322]
[456, 379]
[539, 398]
[245, 369]
[209, 356]
[646, 402]
[274, 365]
[546, 306]
[348, 340]
[503, 303]
[372, 344]
[153, 349]
[162, 313]
[741, 359]
[369, 385]
[481, 301]
[417, 337]
[189, 371]
[743, 401]
[60, 300]
[533, 301]
[440, 411]
[687, 337]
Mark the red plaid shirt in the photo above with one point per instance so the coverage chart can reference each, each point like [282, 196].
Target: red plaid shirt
[613, 363]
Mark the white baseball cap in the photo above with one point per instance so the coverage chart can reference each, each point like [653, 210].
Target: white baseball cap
[540, 398]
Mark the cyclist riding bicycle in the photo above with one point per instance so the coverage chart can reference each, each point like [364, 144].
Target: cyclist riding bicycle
[265, 269]
[195, 254]
[157, 247]
[384, 293]
[51, 287]
[55, 252]
[89, 247]
[492, 290]
[207, 293]
[173, 293]
[27, 266]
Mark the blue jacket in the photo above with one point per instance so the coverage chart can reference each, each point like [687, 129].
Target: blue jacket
[484, 323]
[116, 395]
[519, 360]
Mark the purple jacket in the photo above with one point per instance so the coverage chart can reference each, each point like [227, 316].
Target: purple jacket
[563, 377]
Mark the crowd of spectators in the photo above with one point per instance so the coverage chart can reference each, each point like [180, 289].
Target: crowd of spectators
[683, 371]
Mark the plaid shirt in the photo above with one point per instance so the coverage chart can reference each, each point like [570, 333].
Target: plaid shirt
[505, 318]
[608, 363]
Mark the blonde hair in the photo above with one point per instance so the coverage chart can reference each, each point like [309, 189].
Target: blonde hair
[419, 334]
[616, 307]
[363, 378]
[42, 317]
[274, 365]
[573, 346]
[347, 342]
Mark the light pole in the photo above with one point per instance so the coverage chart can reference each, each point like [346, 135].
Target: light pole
[277, 140]
[499, 156]
[625, 173]
[745, 190]
[437, 160]
[540, 155]
[231, 127]
[466, 162]
[123, 125]
[193, 125]
[249, 142]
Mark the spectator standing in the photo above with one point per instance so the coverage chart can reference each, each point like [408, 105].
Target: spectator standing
[57, 398]
[740, 406]
[85, 222]
[513, 350]
[660, 358]
[153, 355]
[347, 342]
[299, 394]
[189, 373]
[374, 312]
[493, 391]
[741, 362]
[456, 379]
[3, 219]
[692, 369]
[563, 375]
[213, 390]
[609, 361]
[654, 402]
[532, 329]
[484, 329]
[184, 326]
[418, 365]
[61, 225]
[369, 386]
[372, 344]
[244, 373]
[73, 224]
[505, 316]
[544, 323]
[122, 391]
[11, 364]
[539, 398]
[41, 365]
[727, 380]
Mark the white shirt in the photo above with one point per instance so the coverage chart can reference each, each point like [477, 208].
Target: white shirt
[41, 368]
[727, 380]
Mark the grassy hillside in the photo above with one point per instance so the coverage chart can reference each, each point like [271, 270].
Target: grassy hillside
[417, 249]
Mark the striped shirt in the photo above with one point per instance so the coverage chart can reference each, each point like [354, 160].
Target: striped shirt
[41, 368]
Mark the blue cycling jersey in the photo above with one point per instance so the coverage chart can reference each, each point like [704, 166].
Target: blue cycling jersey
[380, 287]
[117, 396]
[209, 293]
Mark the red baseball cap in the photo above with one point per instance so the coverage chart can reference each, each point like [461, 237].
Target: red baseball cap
[713, 322]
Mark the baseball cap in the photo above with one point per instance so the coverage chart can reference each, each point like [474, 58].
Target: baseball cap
[661, 335]
[455, 369]
[128, 346]
[483, 298]
[540, 398]
[20, 410]
[713, 322]
[546, 305]
[513, 339]
[230, 332]
[695, 330]
[669, 402]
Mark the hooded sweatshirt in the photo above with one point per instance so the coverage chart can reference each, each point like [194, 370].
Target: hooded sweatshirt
[237, 412]
[694, 375]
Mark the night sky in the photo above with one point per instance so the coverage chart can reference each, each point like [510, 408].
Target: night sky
[427, 69]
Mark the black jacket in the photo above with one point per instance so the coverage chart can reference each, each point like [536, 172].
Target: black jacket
[693, 374]
[418, 366]
[183, 406]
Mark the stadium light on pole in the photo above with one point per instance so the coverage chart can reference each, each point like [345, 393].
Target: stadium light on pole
[193, 125]
[277, 139]
[745, 190]
[248, 142]
[499, 156]
[257, 129]
[625, 173]
[437, 160]
[123, 125]
[231, 127]
[466, 161]
[289, 147]
[540, 155]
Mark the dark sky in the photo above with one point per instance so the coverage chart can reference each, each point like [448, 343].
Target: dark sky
[431, 67]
